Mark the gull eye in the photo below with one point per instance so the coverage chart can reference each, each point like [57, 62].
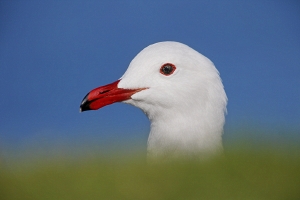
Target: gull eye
[167, 69]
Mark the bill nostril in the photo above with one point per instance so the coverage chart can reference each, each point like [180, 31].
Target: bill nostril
[102, 92]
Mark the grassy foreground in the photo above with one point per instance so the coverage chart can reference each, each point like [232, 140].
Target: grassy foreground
[241, 174]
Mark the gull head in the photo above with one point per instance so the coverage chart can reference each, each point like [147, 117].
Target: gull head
[180, 91]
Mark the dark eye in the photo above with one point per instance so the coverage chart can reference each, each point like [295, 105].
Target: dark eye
[167, 69]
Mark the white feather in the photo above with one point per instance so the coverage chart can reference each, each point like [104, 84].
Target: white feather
[186, 109]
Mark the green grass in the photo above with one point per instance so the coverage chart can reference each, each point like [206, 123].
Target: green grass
[242, 174]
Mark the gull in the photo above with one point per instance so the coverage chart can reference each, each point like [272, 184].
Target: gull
[182, 94]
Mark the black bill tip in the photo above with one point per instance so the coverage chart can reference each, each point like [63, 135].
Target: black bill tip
[85, 104]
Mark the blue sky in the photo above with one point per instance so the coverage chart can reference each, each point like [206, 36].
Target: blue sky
[53, 52]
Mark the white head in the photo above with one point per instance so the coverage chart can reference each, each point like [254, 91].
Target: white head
[182, 94]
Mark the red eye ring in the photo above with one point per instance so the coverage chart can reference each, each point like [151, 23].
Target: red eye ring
[167, 69]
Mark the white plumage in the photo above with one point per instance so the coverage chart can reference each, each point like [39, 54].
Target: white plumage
[186, 108]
